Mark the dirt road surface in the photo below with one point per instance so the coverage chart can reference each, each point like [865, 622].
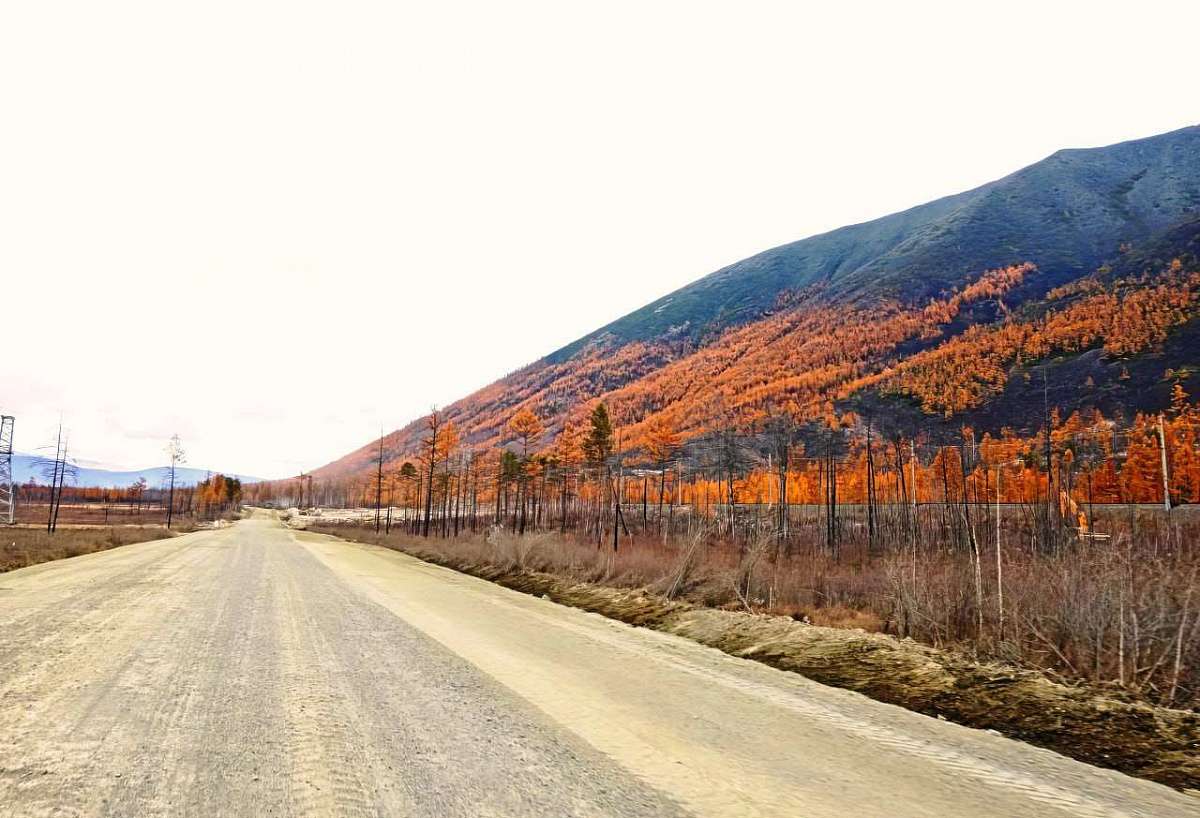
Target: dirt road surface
[259, 671]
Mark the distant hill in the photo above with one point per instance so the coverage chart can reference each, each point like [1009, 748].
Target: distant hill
[827, 320]
[25, 468]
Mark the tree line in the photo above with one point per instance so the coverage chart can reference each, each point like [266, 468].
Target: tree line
[832, 471]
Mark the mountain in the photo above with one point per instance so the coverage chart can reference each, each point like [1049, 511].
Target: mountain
[26, 467]
[867, 316]
[1066, 213]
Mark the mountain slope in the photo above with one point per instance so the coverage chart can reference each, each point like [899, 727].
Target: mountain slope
[1066, 214]
[1117, 340]
[802, 325]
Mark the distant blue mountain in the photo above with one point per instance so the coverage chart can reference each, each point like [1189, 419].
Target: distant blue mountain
[25, 468]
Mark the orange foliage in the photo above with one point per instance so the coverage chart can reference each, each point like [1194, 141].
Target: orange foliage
[809, 353]
[964, 371]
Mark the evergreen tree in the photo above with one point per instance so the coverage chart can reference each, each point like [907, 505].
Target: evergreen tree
[597, 446]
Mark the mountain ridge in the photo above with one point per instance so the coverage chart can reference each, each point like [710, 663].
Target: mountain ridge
[906, 231]
[1065, 215]
[27, 467]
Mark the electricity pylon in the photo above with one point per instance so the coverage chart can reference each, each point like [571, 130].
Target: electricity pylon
[7, 491]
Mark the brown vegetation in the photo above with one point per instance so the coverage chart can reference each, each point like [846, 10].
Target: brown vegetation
[748, 473]
[1001, 547]
[137, 504]
[79, 512]
[1091, 722]
[807, 356]
[20, 547]
[1118, 614]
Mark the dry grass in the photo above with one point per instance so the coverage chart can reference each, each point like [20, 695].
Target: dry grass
[839, 616]
[93, 514]
[1120, 614]
[20, 547]
[699, 570]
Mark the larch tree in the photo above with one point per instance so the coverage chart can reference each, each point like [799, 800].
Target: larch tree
[446, 449]
[597, 449]
[408, 474]
[568, 454]
[598, 444]
[782, 434]
[662, 445]
[431, 448]
[527, 428]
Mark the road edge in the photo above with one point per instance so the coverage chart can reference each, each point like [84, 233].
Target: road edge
[1154, 743]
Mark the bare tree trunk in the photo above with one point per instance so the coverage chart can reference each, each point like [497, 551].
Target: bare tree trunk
[871, 532]
[378, 483]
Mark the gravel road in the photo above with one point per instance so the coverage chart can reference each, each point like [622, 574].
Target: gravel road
[258, 671]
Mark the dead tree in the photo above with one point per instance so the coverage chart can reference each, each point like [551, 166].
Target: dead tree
[433, 424]
[379, 482]
[175, 456]
[57, 471]
[781, 433]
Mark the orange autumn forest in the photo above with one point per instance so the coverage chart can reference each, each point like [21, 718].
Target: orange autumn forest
[974, 423]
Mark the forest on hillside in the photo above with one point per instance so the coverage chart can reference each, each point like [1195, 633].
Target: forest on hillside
[746, 475]
[973, 423]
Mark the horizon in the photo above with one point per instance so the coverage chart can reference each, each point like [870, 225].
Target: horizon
[92, 465]
[214, 250]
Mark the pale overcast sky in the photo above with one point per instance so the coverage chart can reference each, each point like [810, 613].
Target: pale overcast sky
[274, 227]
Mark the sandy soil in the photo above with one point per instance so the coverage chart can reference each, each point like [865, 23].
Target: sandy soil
[258, 671]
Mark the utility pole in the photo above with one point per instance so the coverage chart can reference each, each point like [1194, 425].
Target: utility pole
[1162, 449]
[7, 490]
